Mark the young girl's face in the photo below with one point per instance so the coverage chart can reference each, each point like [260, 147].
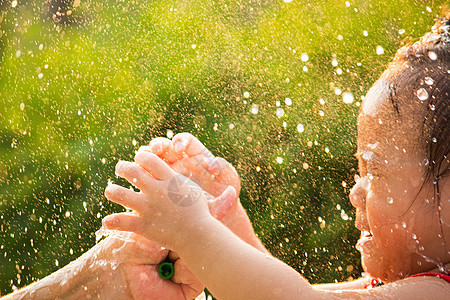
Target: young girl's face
[399, 221]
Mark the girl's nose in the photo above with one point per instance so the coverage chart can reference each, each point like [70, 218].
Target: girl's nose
[359, 192]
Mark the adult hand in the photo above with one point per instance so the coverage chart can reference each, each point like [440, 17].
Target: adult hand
[137, 262]
[122, 266]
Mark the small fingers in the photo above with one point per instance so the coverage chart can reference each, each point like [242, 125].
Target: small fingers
[124, 222]
[222, 205]
[159, 145]
[135, 175]
[124, 196]
[164, 149]
[154, 165]
[187, 143]
[223, 172]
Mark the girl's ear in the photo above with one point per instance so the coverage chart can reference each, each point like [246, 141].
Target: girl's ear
[222, 205]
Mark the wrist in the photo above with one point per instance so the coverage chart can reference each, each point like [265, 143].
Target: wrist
[239, 223]
[191, 231]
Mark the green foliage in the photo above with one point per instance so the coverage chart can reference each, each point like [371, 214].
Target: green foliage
[84, 86]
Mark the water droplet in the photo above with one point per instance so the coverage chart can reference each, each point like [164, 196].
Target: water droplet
[300, 128]
[339, 71]
[255, 109]
[305, 166]
[246, 95]
[422, 94]
[334, 62]
[337, 91]
[365, 33]
[380, 50]
[18, 53]
[40, 75]
[348, 98]
[327, 149]
[279, 160]
[401, 31]
[169, 134]
[305, 69]
[434, 140]
[414, 236]
[67, 214]
[321, 113]
[280, 112]
[288, 101]
[14, 3]
[390, 200]
[22, 106]
[429, 80]
[193, 46]
[321, 101]
[287, 1]
[432, 55]
[304, 57]
[403, 224]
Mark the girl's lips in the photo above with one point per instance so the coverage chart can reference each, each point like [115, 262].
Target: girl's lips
[365, 240]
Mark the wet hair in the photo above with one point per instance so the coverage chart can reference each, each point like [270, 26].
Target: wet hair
[421, 71]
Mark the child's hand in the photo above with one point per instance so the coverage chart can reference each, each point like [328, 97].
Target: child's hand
[167, 205]
[185, 154]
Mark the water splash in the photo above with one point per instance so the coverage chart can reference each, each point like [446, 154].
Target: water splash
[422, 94]
[380, 50]
[429, 80]
[348, 98]
[432, 55]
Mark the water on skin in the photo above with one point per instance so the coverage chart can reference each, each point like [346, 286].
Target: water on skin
[380, 94]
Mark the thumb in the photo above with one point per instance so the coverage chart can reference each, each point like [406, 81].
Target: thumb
[221, 206]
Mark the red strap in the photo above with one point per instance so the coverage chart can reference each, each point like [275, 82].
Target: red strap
[443, 276]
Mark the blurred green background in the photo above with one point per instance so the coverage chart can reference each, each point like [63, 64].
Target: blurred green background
[272, 86]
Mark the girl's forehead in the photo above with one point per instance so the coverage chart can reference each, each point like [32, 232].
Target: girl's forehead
[376, 98]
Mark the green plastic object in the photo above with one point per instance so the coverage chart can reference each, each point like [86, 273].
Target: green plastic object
[166, 270]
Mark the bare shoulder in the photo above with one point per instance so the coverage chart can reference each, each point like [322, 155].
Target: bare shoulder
[424, 287]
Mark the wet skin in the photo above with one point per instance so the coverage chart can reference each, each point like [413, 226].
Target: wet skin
[399, 220]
